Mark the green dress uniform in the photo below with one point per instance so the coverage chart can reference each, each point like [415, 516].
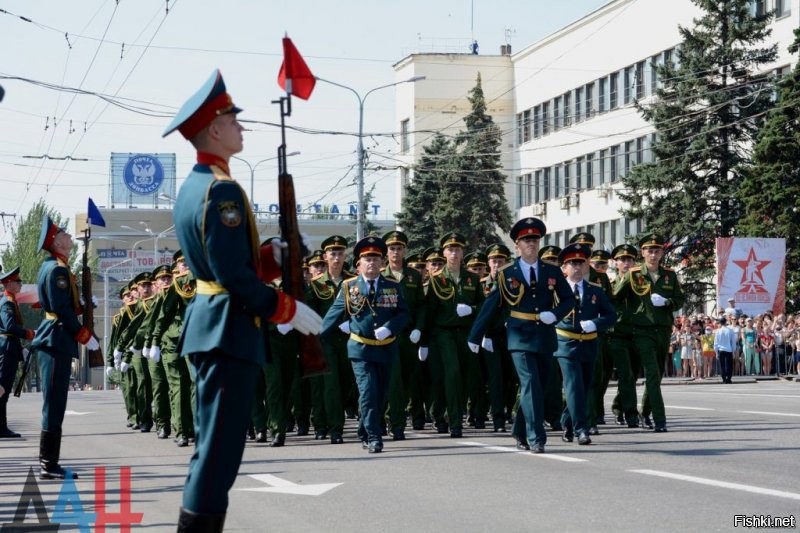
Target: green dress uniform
[158, 375]
[222, 330]
[652, 324]
[367, 306]
[12, 332]
[128, 378]
[280, 372]
[605, 360]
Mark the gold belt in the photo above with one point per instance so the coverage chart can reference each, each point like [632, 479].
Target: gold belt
[210, 287]
[213, 288]
[371, 342]
[524, 316]
[577, 336]
[50, 316]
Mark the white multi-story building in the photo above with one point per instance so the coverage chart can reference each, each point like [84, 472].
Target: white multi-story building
[566, 108]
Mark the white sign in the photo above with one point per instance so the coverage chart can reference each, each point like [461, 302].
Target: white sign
[753, 273]
[122, 265]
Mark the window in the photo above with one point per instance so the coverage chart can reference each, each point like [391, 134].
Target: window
[545, 118]
[519, 129]
[612, 95]
[520, 193]
[526, 125]
[639, 78]
[546, 185]
[782, 8]
[578, 104]
[590, 171]
[629, 155]
[528, 189]
[758, 8]
[653, 157]
[566, 178]
[567, 110]
[537, 122]
[640, 150]
[602, 176]
[557, 181]
[587, 108]
[604, 235]
[537, 186]
[404, 144]
[556, 113]
[654, 62]
[601, 95]
[627, 93]
[613, 167]
[578, 172]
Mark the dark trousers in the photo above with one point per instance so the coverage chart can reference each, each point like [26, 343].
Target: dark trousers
[372, 379]
[55, 370]
[225, 390]
[578, 376]
[726, 366]
[533, 370]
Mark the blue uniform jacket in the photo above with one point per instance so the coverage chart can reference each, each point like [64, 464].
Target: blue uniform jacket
[58, 295]
[524, 330]
[216, 231]
[595, 306]
[388, 309]
[11, 334]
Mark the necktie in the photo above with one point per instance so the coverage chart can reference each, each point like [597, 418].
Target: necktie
[371, 290]
[532, 276]
[577, 297]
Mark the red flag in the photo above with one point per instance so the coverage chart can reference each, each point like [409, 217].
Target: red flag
[295, 77]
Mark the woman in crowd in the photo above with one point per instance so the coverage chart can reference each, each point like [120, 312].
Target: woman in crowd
[686, 341]
[749, 336]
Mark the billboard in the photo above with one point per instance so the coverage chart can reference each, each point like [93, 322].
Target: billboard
[123, 265]
[753, 273]
[138, 179]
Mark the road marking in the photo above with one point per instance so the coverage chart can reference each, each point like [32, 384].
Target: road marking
[690, 408]
[78, 413]
[768, 413]
[709, 393]
[721, 484]
[283, 486]
[509, 449]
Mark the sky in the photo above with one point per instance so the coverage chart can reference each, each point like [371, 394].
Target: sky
[149, 56]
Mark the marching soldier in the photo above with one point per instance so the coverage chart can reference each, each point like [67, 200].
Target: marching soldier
[162, 276]
[549, 254]
[12, 332]
[405, 368]
[477, 263]
[454, 297]
[652, 294]
[578, 344]
[373, 311]
[222, 332]
[553, 397]
[536, 296]
[56, 341]
[598, 262]
[129, 295]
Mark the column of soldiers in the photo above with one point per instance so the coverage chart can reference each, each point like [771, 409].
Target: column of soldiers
[434, 378]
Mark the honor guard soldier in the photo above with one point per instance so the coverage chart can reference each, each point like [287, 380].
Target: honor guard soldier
[405, 383]
[12, 333]
[599, 261]
[130, 297]
[536, 296]
[454, 297]
[553, 398]
[578, 344]
[477, 263]
[373, 311]
[417, 262]
[652, 293]
[222, 332]
[316, 264]
[162, 279]
[434, 261]
[501, 377]
[56, 341]
[549, 254]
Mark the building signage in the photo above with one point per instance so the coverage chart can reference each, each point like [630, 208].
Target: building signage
[143, 174]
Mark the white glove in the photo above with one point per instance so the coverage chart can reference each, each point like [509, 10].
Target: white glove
[92, 344]
[547, 318]
[487, 344]
[94, 300]
[588, 326]
[109, 371]
[422, 353]
[155, 353]
[117, 356]
[414, 336]
[283, 329]
[344, 327]
[658, 300]
[136, 352]
[146, 352]
[116, 364]
[383, 333]
[473, 347]
[123, 367]
[25, 353]
[277, 250]
[306, 320]
[463, 310]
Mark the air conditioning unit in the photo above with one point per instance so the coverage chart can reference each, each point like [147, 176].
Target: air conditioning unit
[539, 209]
[563, 203]
[574, 200]
[602, 190]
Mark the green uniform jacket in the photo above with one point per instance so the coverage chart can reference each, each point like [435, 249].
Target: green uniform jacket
[168, 325]
[443, 296]
[133, 336]
[635, 289]
[414, 292]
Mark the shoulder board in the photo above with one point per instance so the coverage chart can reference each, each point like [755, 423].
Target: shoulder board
[350, 276]
[595, 284]
[485, 279]
[635, 269]
[316, 278]
[507, 265]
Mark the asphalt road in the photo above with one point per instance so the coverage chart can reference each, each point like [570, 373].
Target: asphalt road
[730, 450]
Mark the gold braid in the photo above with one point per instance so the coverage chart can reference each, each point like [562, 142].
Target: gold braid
[323, 294]
[186, 293]
[645, 287]
[349, 305]
[441, 292]
[511, 299]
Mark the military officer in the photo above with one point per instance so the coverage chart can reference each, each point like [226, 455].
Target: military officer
[434, 260]
[549, 254]
[578, 344]
[12, 332]
[222, 332]
[553, 398]
[56, 341]
[129, 295]
[652, 293]
[417, 262]
[536, 296]
[402, 385]
[316, 264]
[477, 263]
[454, 297]
[373, 311]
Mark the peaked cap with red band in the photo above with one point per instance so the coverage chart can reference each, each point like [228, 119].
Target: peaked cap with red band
[574, 251]
[528, 226]
[369, 246]
[205, 105]
[48, 233]
[11, 275]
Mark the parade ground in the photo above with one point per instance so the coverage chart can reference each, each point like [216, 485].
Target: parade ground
[730, 459]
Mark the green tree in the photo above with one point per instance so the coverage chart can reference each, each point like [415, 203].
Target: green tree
[472, 201]
[706, 117]
[436, 167]
[771, 185]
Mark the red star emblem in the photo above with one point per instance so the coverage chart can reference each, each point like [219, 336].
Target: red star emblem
[752, 278]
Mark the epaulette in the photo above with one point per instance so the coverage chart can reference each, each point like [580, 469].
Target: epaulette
[485, 279]
[315, 278]
[354, 276]
[595, 284]
[635, 269]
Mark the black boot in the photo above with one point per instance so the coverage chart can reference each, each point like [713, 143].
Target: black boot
[5, 433]
[190, 522]
[49, 451]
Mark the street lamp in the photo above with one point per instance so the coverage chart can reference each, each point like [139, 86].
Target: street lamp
[253, 170]
[360, 150]
[106, 332]
[154, 236]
